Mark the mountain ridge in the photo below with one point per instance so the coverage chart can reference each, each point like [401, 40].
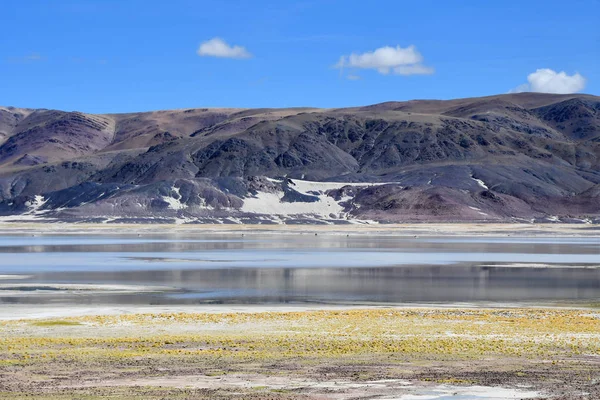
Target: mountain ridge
[525, 156]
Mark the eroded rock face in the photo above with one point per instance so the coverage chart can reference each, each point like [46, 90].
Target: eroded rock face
[519, 156]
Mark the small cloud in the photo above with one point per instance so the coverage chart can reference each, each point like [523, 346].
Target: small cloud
[217, 47]
[525, 87]
[353, 77]
[33, 57]
[386, 60]
[545, 80]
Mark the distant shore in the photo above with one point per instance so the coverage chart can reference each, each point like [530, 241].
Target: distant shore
[420, 229]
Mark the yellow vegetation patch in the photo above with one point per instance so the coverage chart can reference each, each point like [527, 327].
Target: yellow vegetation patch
[393, 333]
[56, 323]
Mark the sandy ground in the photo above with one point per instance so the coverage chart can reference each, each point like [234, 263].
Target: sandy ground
[288, 352]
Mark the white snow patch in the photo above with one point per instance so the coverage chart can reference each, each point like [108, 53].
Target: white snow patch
[478, 210]
[174, 204]
[326, 206]
[35, 205]
[480, 182]
[204, 206]
[322, 187]
[175, 201]
[32, 214]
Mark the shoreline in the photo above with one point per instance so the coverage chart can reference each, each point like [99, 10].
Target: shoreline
[409, 229]
[21, 312]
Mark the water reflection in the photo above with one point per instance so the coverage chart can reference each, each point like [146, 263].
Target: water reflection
[299, 268]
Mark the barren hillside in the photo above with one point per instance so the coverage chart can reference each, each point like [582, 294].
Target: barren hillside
[500, 158]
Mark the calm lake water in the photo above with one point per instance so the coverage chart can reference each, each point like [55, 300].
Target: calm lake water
[281, 268]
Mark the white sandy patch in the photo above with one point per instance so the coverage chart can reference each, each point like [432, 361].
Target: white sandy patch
[593, 315]
[540, 265]
[10, 312]
[6, 277]
[184, 220]
[35, 289]
[260, 382]
[27, 311]
[467, 393]
[401, 389]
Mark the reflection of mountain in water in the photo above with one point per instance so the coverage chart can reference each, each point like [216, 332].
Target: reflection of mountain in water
[389, 284]
[295, 267]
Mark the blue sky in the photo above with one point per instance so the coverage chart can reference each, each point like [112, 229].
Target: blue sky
[134, 55]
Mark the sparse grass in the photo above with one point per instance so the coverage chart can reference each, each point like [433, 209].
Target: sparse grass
[454, 381]
[215, 345]
[56, 323]
[438, 333]
[137, 393]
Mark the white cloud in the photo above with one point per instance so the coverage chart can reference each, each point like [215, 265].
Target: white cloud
[33, 57]
[217, 47]
[545, 80]
[397, 60]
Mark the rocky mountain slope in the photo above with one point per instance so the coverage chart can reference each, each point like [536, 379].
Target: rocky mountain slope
[525, 157]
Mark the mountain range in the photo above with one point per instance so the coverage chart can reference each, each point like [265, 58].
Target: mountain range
[515, 157]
